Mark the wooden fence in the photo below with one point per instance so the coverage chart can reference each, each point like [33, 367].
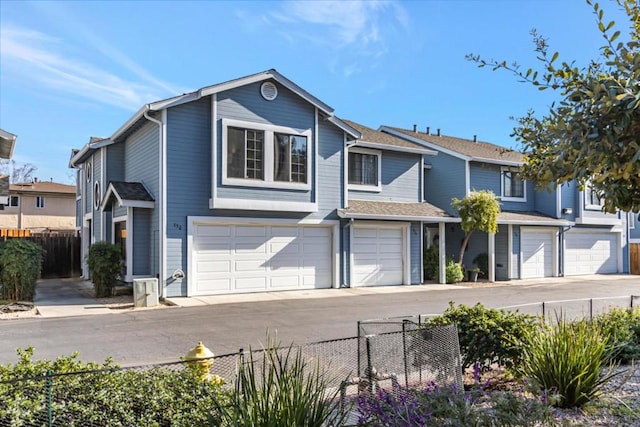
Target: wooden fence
[634, 250]
[61, 257]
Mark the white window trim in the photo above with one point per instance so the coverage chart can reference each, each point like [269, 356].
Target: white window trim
[268, 181]
[589, 206]
[43, 202]
[507, 198]
[632, 220]
[96, 192]
[360, 187]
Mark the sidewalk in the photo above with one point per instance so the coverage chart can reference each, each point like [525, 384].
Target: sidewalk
[72, 297]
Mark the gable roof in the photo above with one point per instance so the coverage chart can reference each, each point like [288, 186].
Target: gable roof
[130, 194]
[271, 74]
[375, 139]
[466, 149]
[42, 187]
[531, 218]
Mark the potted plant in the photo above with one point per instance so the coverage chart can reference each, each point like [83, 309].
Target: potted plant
[473, 274]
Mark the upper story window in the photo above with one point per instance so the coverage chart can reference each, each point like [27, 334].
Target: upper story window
[513, 186]
[364, 169]
[88, 171]
[40, 202]
[260, 155]
[592, 199]
[14, 201]
[632, 220]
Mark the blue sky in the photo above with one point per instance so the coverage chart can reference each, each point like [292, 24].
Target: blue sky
[71, 70]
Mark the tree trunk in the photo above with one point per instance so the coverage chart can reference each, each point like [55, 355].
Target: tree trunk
[467, 236]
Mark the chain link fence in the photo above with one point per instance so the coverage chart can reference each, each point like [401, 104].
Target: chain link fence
[387, 354]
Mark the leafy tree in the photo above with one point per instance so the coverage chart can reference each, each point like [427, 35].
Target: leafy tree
[591, 134]
[478, 211]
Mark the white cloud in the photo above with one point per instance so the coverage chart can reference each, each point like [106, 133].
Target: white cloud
[359, 28]
[39, 60]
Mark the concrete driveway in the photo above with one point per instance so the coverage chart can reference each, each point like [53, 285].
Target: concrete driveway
[226, 324]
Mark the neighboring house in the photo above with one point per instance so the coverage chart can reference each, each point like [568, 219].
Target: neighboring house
[540, 233]
[40, 207]
[7, 145]
[255, 185]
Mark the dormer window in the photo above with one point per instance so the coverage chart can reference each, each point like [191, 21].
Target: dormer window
[513, 186]
[364, 169]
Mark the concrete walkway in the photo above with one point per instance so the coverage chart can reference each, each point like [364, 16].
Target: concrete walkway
[67, 297]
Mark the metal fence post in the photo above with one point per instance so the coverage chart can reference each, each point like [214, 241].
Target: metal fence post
[404, 352]
[590, 309]
[369, 367]
[48, 387]
[544, 314]
[358, 350]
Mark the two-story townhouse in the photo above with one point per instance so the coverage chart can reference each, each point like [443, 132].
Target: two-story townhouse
[247, 186]
[39, 206]
[540, 233]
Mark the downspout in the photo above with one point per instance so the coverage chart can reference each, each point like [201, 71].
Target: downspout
[562, 248]
[161, 202]
[346, 253]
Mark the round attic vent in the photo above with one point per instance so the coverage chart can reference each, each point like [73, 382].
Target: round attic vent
[269, 91]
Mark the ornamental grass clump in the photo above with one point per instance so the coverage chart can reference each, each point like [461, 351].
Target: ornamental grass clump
[570, 359]
[281, 387]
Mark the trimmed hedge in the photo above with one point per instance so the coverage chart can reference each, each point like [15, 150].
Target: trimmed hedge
[21, 262]
[104, 263]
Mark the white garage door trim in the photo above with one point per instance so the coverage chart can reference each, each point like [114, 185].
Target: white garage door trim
[380, 225]
[609, 239]
[551, 233]
[194, 221]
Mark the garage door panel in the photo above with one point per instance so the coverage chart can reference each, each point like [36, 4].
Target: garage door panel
[590, 253]
[537, 253]
[241, 258]
[377, 256]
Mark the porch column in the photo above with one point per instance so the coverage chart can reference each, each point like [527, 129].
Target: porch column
[491, 274]
[443, 253]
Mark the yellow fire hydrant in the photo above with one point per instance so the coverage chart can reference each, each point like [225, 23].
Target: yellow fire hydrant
[202, 359]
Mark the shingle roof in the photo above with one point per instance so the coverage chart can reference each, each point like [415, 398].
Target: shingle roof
[375, 136]
[466, 147]
[393, 210]
[43, 187]
[530, 217]
[131, 191]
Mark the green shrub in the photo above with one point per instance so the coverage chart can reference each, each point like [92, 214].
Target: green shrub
[102, 394]
[568, 359]
[281, 388]
[20, 261]
[453, 272]
[487, 336]
[430, 262]
[623, 328]
[104, 263]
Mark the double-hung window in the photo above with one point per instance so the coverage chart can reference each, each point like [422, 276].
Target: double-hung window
[262, 155]
[364, 169]
[40, 202]
[513, 186]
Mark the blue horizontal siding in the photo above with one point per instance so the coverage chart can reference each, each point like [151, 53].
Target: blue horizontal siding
[400, 179]
[444, 181]
[485, 176]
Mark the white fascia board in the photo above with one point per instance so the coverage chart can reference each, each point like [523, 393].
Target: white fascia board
[387, 147]
[598, 221]
[7, 135]
[222, 220]
[343, 214]
[137, 203]
[137, 116]
[107, 195]
[262, 205]
[537, 223]
[270, 74]
[496, 162]
[345, 127]
[176, 100]
[425, 143]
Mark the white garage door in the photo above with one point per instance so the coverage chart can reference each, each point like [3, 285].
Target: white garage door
[537, 254]
[253, 258]
[590, 253]
[377, 256]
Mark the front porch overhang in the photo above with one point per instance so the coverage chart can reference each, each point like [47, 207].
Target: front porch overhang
[128, 194]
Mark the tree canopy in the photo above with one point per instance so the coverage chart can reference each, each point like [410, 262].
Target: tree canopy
[592, 135]
[478, 211]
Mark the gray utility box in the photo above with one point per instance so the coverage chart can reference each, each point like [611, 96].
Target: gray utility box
[145, 292]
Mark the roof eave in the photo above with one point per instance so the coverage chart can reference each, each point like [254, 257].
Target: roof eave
[8, 139]
[558, 223]
[388, 147]
[343, 214]
[497, 161]
[345, 127]
[421, 141]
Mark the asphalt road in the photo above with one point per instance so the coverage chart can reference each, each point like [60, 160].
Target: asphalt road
[162, 335]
